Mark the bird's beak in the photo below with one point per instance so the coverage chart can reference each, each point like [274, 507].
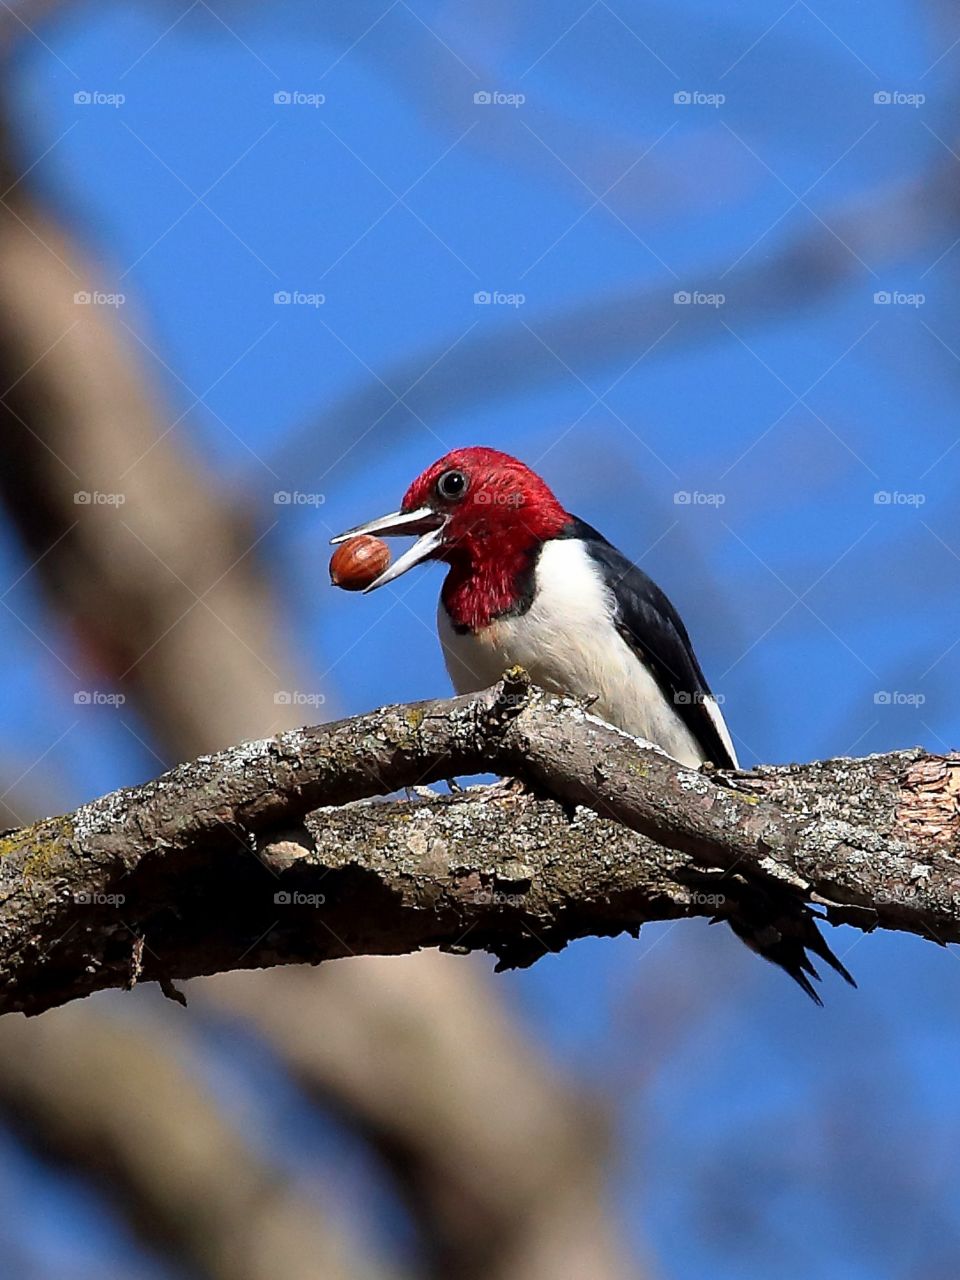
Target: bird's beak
[424, 521]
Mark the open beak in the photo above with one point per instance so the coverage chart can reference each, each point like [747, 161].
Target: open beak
[429, 524]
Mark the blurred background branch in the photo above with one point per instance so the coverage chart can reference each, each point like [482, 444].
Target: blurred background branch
[164, 599]
[538, 1215]
[110, 1099]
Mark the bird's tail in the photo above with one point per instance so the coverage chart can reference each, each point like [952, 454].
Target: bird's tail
[783, 929]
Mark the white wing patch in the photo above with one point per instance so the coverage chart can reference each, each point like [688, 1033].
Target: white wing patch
[715, 714]
[569, 645]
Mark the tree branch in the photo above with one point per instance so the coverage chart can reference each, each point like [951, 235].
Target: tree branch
[261, 855]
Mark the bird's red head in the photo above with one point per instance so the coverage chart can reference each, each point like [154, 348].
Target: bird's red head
[485, 514]
[493, 503]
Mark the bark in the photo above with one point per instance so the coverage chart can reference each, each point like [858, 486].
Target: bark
[261, 855]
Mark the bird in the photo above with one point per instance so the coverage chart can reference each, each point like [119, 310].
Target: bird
[529, 584]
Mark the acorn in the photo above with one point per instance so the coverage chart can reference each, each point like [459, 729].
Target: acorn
[357, 563]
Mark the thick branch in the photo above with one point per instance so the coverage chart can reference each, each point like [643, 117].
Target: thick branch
[199, 871]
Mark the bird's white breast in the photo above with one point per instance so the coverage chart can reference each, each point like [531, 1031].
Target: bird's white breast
[568, 644]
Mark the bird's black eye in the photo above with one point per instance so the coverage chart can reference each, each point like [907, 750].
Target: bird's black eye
[451, 486]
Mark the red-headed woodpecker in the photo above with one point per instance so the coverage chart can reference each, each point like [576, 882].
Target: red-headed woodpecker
[531, 585]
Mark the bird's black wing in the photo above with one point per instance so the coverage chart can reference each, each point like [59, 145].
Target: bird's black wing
[780, 927]
[654, 630]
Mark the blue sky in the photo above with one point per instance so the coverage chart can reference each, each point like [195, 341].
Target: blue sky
[826, 618]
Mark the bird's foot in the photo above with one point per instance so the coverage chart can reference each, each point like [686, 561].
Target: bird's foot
[719, 774]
